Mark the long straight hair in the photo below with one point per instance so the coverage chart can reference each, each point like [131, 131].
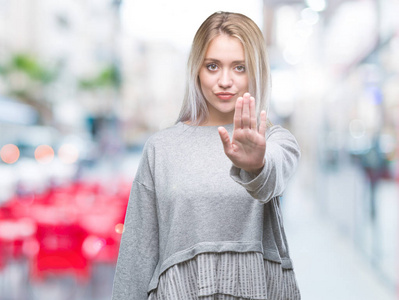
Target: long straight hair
[194, 108]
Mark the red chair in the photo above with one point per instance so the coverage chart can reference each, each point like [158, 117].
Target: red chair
[103, 226]
[13, 234]
[2, 258]
[60, 252]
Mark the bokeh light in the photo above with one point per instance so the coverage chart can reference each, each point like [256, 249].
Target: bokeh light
[317, 5]
[44, 154]
[9, 153]
[68, 153]
[30, 247]
[304, 29]
[357, 128]
[92, 245]
[310, 16]
[119, 228]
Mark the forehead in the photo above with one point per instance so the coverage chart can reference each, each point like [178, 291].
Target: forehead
[224, 46]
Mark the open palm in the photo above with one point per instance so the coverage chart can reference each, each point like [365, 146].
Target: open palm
[248, 145]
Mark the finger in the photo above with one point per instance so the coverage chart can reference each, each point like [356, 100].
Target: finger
[237, 113]
[262, 126]
[224, 136]
[253, 113]
[245, 111]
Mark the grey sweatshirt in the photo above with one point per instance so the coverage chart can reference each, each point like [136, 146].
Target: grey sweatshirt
[188, 198]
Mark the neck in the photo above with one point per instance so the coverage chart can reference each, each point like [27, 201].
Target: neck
[215, 123]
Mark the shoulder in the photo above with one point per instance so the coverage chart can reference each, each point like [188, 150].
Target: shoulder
[278, 131]
[279, 136]
[163, 137]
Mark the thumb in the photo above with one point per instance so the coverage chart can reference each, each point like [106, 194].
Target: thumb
[224, 136]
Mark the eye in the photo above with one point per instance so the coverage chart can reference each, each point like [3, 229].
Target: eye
[212, 67]
[240, 68]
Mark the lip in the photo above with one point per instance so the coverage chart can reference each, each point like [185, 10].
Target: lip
[225, 95]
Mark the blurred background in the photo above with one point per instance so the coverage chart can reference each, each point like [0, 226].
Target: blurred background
[84, 83]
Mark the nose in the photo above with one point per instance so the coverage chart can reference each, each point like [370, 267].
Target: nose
[225, 79]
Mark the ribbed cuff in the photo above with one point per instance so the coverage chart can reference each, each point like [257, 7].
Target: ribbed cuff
[247, 180]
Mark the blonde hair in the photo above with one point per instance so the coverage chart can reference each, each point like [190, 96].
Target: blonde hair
[194, 108]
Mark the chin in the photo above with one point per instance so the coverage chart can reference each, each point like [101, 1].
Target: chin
[226, 109]
[223, 108]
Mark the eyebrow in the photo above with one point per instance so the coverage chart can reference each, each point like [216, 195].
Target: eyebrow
[218, 61]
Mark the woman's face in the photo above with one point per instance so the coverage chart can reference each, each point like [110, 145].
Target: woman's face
[223, 78]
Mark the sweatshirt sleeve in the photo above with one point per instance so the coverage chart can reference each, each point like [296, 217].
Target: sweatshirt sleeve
[139, 248]
[282, 155]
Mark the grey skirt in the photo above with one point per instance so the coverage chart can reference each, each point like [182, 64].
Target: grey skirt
[227, 276]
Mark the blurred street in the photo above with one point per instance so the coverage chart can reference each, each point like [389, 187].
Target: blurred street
[83, 84]
[327, 263]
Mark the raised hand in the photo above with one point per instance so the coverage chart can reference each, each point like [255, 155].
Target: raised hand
[248, 145]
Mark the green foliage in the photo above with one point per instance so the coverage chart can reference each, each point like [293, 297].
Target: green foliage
[29, 65]
[107, 78]
[20, 94]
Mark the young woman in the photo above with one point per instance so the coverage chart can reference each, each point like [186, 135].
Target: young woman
[203, 220]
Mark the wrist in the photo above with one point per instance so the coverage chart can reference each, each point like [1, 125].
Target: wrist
[258, 170]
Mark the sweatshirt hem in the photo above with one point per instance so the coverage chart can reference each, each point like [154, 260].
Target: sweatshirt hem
[189, 253]
[273, 255]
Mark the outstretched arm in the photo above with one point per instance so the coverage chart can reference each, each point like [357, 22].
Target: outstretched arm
[248, 145]
[280, 156]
